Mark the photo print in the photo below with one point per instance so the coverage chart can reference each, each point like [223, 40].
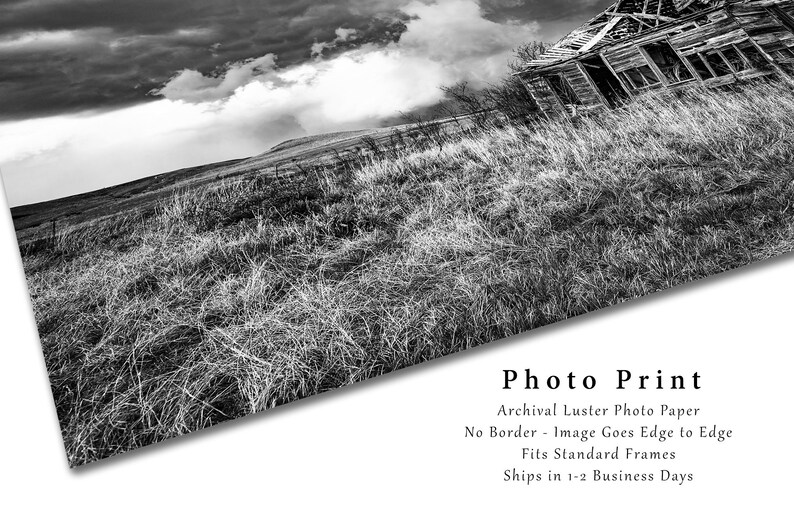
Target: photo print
[223, 208]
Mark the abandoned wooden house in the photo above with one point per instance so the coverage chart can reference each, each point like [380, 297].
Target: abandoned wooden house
[641, 45]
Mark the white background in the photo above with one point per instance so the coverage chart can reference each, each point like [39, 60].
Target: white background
[391, 451]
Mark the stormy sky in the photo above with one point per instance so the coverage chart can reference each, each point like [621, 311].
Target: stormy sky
[98, 92]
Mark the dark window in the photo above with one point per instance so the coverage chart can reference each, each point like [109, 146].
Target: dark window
[648, 73]
[668, 61]
[608, 85]
[734, 58]
[785, 58]
[641, 77]
[718, 64]
[563, 89]
[699, 66]
[637, 78]
[753, 56]
[628, 82]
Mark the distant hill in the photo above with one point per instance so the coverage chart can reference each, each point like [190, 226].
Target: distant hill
[319, 140]
[145, 193]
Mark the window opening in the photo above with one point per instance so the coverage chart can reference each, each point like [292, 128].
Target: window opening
[734, 58]
[754, 57]
[699, 66]
[718, 64]
[641, 77]
[563, 89]
[607, 83]
[668, 61]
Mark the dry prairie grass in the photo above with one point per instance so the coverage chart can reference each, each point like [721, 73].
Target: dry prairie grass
[235, 299]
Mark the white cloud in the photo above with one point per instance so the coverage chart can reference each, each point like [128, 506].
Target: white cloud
[342, 35]
[346, 34]
[444, 42]
[456, 36]
[192, 86]
[255, 104]
[318, 48]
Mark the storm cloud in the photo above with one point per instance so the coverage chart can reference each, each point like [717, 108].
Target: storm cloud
[95, 93]
[60, 56]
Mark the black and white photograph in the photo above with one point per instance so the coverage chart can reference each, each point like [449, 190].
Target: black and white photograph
[222, 208]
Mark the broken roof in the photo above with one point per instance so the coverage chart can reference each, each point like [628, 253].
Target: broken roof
[623, 19]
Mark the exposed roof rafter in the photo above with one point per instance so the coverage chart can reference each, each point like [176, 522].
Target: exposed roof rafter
[621, 20]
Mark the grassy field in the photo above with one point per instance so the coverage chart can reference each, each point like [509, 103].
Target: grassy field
[233, 299]
[34, 221]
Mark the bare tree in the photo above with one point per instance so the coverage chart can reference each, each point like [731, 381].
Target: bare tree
[529, 51]
[508, 100]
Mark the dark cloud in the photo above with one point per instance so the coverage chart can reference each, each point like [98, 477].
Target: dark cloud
[61, 56]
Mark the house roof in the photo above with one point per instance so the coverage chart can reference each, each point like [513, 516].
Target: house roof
[623, 19]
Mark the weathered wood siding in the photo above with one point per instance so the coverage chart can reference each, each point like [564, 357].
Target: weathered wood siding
[722, 29]
[544, 96]
[581, 85]
[624, 56]
[765, 26]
